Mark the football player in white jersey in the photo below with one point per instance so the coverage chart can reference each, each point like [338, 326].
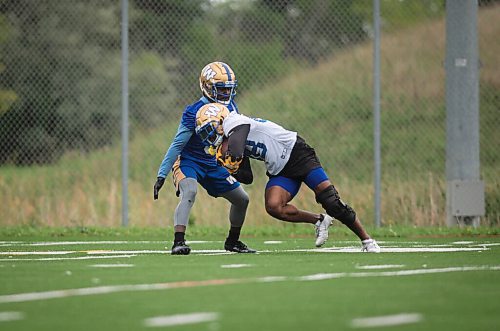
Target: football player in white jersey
[289, 161]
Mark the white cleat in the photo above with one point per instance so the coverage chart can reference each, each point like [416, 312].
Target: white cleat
[322, 230]
[370, 246]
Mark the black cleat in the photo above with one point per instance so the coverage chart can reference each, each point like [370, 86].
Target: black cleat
[238, 247]
[180, 248]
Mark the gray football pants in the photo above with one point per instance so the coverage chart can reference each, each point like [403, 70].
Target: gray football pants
[188, 188]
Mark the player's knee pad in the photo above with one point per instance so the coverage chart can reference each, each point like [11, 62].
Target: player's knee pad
[188, 189]
[330, 200]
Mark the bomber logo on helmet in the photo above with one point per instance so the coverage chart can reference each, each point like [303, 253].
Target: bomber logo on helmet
[218, 82]
[209, 119]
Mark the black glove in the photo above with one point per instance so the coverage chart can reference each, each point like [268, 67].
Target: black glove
[157, 187]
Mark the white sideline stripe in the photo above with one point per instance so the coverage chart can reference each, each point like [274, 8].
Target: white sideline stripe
[389, 250]
[388, 320]
[39, 253]
[381, 266]
[106, 251]
[33, 296]
[322, 276]
[273, 242]
[490, 244]
[65, 243]
[6, 316]
[112, 265]
[105, 242]
[462, 242]
[232, 266]
[180, 319]
[73, 258]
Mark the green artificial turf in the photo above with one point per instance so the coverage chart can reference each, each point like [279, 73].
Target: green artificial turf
[459, 292]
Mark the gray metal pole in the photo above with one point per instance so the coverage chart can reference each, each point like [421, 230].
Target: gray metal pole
[465, 190]
[376, 109]
[125, 112]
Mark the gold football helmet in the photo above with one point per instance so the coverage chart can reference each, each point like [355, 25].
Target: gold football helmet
[209, 120]
[218, 82]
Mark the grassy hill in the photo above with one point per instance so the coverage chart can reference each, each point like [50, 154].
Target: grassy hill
[329, 105]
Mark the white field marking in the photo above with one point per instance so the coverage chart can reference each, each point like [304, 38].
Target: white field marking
[112, 265]
[66, 243]
[388, 320]
[273, 242]
[6, 316]
[389, 249]
[106, 251]
[180, 319]
[323, 276]
[411, 272]
[272, 279]
[220, 253]
[104, 242]
[490, 244]
[34, 296]
[39, 253]
[463, 242]
[381, 266]
[233, 266]
[73, 258]
[165, 251]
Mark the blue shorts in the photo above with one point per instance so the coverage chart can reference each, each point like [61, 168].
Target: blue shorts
[313, 179]
[216, 180]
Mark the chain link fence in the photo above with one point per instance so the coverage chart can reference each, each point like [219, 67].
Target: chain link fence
[304, 64]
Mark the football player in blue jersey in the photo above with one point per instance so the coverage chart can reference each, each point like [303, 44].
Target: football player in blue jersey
[193, 162]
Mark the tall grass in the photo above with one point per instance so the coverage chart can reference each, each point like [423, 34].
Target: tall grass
[85, 190]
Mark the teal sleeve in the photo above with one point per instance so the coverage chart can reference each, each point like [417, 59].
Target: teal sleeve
[181, 138]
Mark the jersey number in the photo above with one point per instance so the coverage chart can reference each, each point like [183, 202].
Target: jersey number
[258, 150]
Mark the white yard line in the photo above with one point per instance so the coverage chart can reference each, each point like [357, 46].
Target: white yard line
[107, 251]
[71, 258]
[381, 266]
[34, 296]
[233, 266]
[103, 242]
[181, 319]
[385, 249]
[6, 316]
[112, 265]
[38, 253]
[412, 272]
[388, 320]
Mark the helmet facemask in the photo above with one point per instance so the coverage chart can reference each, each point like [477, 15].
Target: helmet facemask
[223, 92]
[210, 133]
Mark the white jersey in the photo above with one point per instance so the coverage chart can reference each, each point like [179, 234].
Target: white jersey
[266, 140]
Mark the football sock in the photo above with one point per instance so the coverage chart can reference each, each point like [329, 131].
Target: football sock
[179, 236]
[234, 234]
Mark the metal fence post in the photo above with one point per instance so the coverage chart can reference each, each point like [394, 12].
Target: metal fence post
[125, 125]
[376, 109]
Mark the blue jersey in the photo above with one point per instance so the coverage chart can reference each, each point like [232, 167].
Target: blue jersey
[186, 142]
